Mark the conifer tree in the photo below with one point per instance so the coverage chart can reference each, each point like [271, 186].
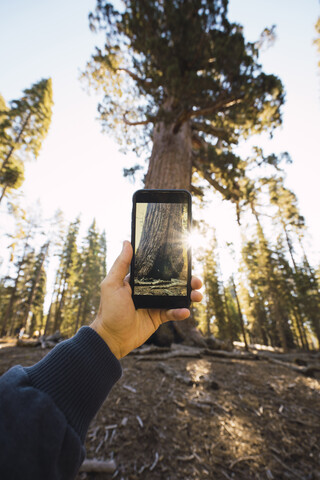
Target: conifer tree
[180, 81]
[216, 314]
[66, 277]
[25, 234]
[36, 293]
[23, 127]
[91, 271]
[306, 292]
[184, 77]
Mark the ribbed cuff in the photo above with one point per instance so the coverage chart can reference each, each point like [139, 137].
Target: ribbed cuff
[78, 374]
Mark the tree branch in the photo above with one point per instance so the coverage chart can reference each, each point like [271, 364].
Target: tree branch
[198, 142]
[206, 175]
[134, 76]
[218, 105]
[142, 122]
[218, 132]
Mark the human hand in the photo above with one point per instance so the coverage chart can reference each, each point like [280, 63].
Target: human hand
[118, 322]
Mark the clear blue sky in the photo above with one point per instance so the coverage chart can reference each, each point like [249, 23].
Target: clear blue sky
[80, 170]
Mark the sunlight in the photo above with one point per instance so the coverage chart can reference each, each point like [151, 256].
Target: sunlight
[196, 241]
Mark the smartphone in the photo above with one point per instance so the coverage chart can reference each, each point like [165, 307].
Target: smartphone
[160, 273]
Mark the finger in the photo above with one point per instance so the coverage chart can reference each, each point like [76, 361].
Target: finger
[196, 283]
[121, 265]
[175, 314]
[196, 296]
[127, 278]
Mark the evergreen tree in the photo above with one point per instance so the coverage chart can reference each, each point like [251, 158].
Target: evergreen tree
[264, 280]
[23, 239]
[66, 278]
[37, 290]
[184, 74]
[256, 311]
[216, 315]
[91, 272]
[179, 79]
[23, 127]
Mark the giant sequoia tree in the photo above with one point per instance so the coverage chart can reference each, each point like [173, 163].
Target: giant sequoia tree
[178, 78]
[179, 75]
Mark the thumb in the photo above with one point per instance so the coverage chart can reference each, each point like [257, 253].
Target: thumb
[121, 265]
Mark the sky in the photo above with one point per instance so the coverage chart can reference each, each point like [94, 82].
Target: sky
[79, 169]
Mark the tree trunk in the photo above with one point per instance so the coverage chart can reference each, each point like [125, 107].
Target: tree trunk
[3, 192]
[8, 312]
[159, 254]
[17, 140]
[170, 166]
[240, 315]
[78, 317]
[228, 315]
[35, 284]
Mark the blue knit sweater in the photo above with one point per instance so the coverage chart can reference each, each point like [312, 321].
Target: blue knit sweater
[45, 410]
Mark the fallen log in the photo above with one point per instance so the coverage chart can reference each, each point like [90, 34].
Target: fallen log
[145, 350]
[307, 371]
[49, 341]
[232, 355]
[98, 466]
[172, 354]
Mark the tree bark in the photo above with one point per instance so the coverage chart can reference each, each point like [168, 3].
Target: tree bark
[170, 166]
[240, 315]
[160, 254]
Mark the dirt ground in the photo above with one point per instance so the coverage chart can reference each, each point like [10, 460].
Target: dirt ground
[173, 287]
[203, 418]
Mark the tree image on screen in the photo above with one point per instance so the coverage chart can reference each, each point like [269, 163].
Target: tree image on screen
[161, 265]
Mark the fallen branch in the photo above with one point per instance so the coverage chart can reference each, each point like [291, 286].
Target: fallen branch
[153, 466]
[286, 467]
[232, 355]
[243, 459]
[98, 466]
[150, 349]
[307, 371]
[174, 354]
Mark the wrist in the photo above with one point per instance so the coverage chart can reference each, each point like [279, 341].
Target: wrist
[97, 326]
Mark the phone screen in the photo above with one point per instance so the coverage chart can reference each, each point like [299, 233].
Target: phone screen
[161, 266]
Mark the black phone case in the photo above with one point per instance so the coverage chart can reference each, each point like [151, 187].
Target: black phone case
[153, 301]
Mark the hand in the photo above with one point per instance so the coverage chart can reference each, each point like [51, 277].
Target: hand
[118, 322]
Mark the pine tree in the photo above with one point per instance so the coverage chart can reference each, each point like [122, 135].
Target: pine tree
[216, 315]
[66, 278]
[23, 127]
[23, 239]
[306, 292]
[35, 298]
[91, 271]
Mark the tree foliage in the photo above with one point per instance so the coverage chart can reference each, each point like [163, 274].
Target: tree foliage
[179, 72]
[23, 127]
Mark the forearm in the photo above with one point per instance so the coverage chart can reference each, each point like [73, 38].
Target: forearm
[45, 410]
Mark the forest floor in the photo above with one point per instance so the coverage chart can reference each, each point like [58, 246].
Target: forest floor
[200, 418]
[173, 287]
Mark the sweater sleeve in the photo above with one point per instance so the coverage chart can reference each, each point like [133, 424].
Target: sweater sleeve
[45, 410]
